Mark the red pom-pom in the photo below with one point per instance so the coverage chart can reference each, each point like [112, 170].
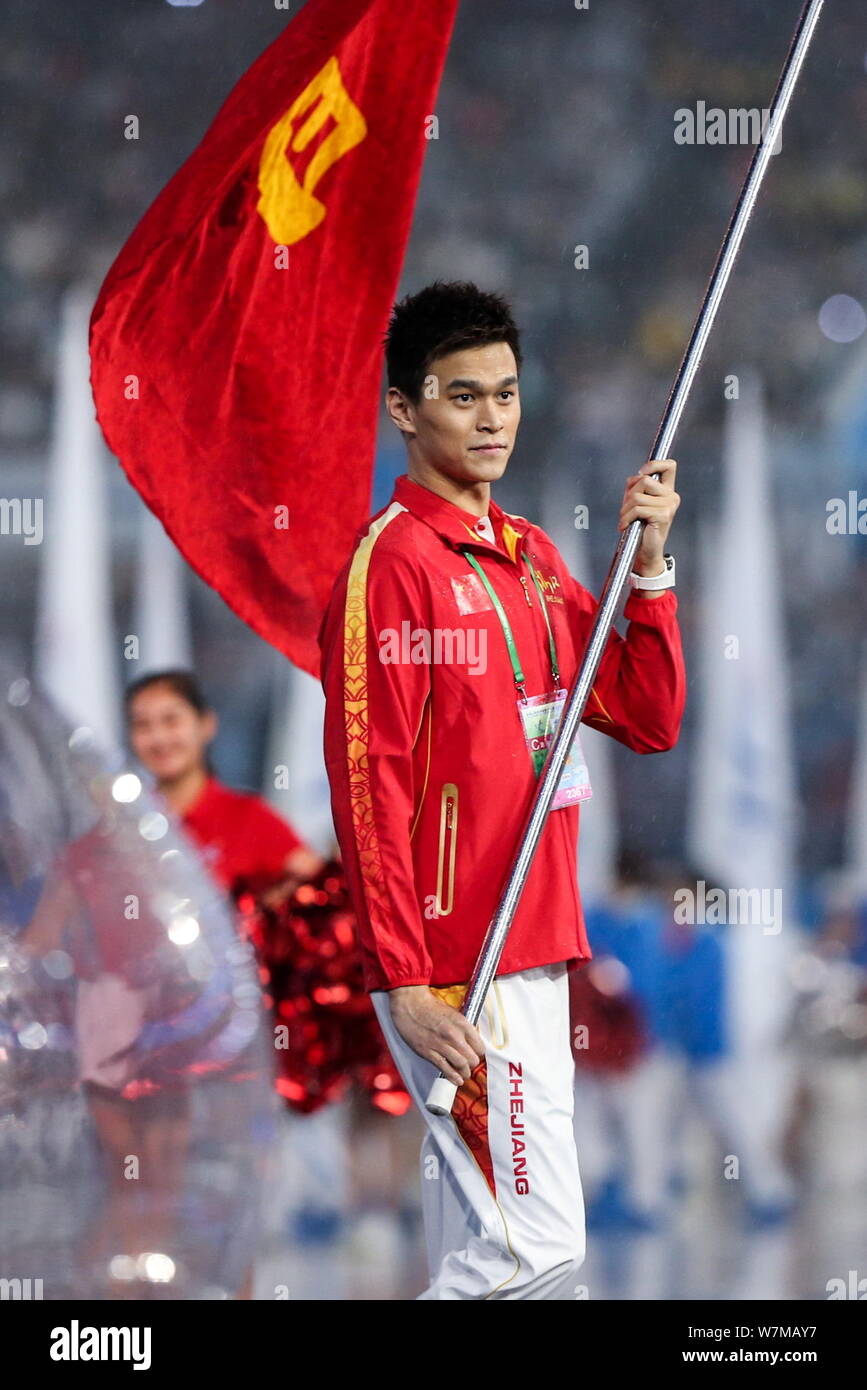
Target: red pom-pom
[330, 1035]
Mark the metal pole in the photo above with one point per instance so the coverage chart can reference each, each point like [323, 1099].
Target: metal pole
[442, 1093]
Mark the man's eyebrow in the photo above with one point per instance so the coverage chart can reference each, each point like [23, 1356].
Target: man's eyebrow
[477, 385]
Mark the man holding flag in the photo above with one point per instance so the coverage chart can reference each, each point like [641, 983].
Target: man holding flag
[451, 634]
[235, 351]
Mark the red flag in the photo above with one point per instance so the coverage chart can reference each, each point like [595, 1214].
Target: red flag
[236, 344]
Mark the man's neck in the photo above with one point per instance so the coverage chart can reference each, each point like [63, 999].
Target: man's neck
[474, 497]
[183, 792]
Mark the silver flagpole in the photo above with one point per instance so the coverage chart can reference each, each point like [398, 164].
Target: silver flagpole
[442, 1093]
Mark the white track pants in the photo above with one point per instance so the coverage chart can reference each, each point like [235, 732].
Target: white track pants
[501, 1192]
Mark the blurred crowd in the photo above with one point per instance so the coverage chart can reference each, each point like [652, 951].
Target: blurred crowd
[556, 129]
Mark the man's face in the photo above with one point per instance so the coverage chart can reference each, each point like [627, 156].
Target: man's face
[465, 423]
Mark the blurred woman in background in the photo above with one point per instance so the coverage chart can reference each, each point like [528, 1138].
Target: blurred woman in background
[247, 846]
[294, 907]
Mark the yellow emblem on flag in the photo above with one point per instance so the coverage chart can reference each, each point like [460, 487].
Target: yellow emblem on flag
[289, 208]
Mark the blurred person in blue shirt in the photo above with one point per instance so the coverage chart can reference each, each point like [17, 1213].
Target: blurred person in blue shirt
[654, 1048]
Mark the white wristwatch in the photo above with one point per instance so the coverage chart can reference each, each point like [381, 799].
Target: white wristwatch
[655, 581]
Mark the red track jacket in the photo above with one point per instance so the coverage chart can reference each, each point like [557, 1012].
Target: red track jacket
[428, 765]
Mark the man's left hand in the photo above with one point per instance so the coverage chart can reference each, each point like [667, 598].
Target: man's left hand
[655, 503]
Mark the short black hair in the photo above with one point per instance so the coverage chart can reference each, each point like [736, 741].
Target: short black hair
[179, 681]
[443, 317]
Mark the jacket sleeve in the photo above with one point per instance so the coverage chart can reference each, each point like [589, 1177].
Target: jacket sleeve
[639, 693]
[374, 710]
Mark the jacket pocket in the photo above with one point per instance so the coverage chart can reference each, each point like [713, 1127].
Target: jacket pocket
[448, 839]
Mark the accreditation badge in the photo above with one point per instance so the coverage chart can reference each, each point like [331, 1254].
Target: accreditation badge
[540, 717]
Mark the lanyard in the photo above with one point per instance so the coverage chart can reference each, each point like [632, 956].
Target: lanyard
[507, 626]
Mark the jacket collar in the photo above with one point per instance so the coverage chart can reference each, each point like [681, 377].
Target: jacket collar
[456, 525]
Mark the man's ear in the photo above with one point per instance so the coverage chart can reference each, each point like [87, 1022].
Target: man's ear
[400, 410]
[210, 724]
